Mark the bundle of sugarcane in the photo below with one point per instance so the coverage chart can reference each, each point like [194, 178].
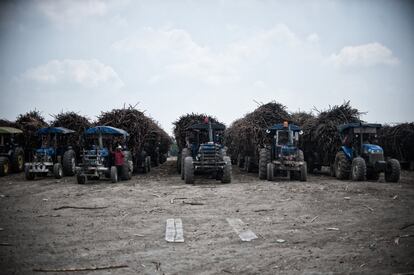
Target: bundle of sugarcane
[7, 123]
[29, 123]
[185, 121]
[299, 118]
[72, 121]
[397, 141]
[248, 134]
[144, 132]
[320, 134]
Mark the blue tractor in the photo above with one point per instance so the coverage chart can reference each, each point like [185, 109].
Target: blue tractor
[360, 157]
[11, 151]
[283, 157]
[97, 160]
[205, 153]
[55, 156]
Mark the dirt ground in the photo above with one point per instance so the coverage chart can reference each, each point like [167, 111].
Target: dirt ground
[328, 226]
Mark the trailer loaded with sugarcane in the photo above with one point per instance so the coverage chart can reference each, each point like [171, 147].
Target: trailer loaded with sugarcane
[11, 150]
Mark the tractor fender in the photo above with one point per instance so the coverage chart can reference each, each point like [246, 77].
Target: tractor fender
[347, 151]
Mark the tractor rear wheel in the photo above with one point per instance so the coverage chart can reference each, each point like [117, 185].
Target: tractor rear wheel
[18, 160]
[69, 163]
[28, 175]
[304, 172]
[359, 169]
[184, 153]
[81, 179]
[264, 159]
[125, 173]
[114, 174]
[57, 170]
[392, 171]
[4, 166]
[188, 170]
[227, 170]
[270, 175]
[342, 166]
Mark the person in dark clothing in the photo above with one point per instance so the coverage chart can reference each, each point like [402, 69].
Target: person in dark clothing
[119, 159]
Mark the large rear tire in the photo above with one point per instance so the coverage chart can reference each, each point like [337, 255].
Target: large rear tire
[392, 171]
[342, 166]
[57, 170]
[264, 159]
[270, 175]
[18, 160]
[114, 174]
[69, 163]
[227, 171]
[188, 170]
[359, 169]
[4, 166]
[125, 173]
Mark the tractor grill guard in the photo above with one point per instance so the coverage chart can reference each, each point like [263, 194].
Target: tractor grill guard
[210, 153]
[374, 157]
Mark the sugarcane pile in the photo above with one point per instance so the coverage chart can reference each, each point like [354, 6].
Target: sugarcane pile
[246, 135]
[72, 121]
[397, 141]
[144, 132]
[29, 123]
[299, 118]
[320, 134]
[185, 121]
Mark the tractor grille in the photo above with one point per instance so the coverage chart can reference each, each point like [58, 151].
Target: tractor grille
[374, 157]
[210, 153]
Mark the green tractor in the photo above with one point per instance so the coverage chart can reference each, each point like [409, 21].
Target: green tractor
[283, 158]
[360, 157]
[11, 151]
[205, 153]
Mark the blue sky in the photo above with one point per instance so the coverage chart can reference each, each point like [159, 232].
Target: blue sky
[218, 57]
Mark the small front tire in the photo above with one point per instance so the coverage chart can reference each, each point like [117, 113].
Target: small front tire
[114, 174]
[57, 171]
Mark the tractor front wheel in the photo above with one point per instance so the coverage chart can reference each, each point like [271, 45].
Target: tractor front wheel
[69, 163]
[359, 169]
[188, 170]
[342, 166]
[4, 166]
[114, 174]
[304, 172]
[264, 159]
[270, 175]
[227, 171]
[392, 171]
[28, 175]
[125, 172]
[81, 179]
[18, 160]
[57, 171]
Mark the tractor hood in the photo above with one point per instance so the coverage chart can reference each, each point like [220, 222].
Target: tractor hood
[46, 151]
[372, 148]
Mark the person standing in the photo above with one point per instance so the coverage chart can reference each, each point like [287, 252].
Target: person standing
[119, 159]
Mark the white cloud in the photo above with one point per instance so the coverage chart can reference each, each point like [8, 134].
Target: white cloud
[180, 55]
[87, 73]
[313, 38]
[366, 55]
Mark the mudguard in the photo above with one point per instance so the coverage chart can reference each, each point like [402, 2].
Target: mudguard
[347, 151]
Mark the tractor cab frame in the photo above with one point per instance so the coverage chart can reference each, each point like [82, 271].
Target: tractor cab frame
[205, 153]
[54, 156]
[360, 157]
[11, 151]
[283, 157]
[98, 144]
